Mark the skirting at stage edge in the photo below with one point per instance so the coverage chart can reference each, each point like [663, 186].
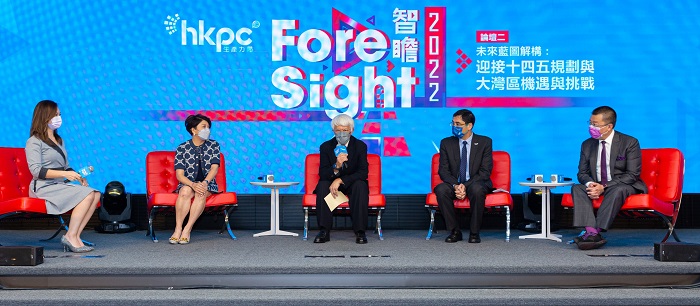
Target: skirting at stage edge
[404, 259]
[345, 281]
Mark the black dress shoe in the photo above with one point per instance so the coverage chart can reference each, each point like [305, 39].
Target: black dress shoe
[323, 236]
[474, 238]
[591, 242]
[454, 237]
[360, 237]
[579, 238]
[582, 235]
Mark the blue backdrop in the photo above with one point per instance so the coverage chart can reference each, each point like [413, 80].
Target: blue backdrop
[126, 73]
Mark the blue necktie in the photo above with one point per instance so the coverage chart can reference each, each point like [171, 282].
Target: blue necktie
[463, 163]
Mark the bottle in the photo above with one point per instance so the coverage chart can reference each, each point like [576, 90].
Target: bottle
[85, 171]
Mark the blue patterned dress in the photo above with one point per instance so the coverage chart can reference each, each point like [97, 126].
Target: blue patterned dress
[192, 159]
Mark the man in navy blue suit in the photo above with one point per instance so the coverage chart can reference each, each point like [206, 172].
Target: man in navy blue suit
[465, 168]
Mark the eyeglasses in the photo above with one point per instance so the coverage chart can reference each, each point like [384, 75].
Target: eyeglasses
[457, 124]
[598, 126]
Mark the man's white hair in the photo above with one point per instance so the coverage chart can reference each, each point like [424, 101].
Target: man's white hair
[343, 120]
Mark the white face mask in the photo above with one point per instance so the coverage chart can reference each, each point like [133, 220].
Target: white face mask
[204, 134]
[55, 123]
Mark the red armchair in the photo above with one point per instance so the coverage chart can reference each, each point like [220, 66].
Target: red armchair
[14, 188]
[377, 201]
[500, 177]
[662, 172]
[161, 182]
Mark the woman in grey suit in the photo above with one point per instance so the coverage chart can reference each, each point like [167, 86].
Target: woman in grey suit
[48, 162]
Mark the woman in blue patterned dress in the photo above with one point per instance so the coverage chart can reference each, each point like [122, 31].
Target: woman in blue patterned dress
[196, 164]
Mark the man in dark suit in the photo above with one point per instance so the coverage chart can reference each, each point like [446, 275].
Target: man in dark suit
[343, 167]
[609, 167]
[465, 170]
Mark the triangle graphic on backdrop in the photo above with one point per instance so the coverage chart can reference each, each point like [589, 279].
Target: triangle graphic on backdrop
[344, 22]
[371, 20]
[412, 15]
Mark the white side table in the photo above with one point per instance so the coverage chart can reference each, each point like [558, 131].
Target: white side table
[274, 208]
[546, 191]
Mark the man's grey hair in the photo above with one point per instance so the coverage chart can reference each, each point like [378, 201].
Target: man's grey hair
[343, 120]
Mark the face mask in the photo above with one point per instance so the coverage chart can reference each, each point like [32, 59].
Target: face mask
[457, 131]
[55, 123]
[204, 134]
[594, 131]
[342, 137]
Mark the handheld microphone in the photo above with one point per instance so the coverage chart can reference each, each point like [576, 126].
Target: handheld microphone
[563, 178]
[268, 178]
[558, 178]
[341, 149]
[84, 171]
[535, 178]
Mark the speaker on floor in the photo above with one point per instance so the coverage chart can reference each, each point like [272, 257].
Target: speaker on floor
[677, 251]
[21, 255]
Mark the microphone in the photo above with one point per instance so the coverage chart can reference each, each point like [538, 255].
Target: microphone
[563, 178]
[84, 171]
[267, 178]
[341, 149]
[558, 178]
[536, 178]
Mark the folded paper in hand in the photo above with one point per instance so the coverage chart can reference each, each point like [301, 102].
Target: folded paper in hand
[334, 202]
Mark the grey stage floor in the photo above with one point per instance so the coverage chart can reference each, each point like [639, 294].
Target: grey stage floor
[405, 254]
[627, 252]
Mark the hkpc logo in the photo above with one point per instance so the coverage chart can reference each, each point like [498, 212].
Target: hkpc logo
[198, 35]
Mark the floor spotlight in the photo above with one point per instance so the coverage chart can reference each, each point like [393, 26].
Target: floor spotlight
[115, 211]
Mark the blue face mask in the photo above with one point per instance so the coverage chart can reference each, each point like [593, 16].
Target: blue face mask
[457, 131]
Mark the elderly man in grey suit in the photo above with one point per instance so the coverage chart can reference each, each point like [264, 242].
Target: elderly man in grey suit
[465, 170]
[609, 167]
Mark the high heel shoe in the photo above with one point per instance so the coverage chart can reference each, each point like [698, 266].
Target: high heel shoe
[184, 240]
[173, 240]
[86, 248]
[68, 246]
